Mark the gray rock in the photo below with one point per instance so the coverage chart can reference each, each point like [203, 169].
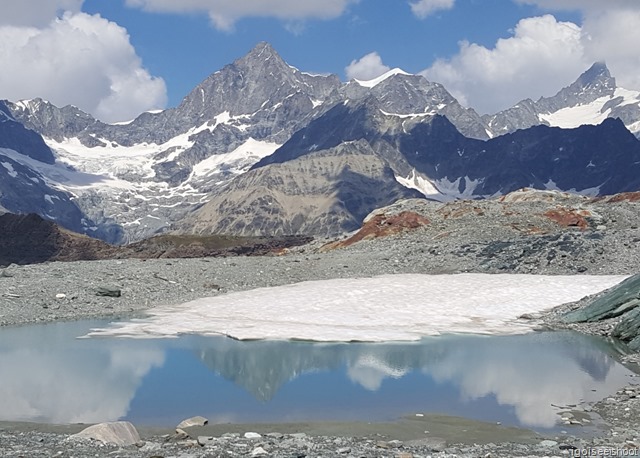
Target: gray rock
[120, 433]
[252, 435]
[548, 443]
[193, 421]
[612, 303]
[108, 291]
[206, 440]
[259, 451]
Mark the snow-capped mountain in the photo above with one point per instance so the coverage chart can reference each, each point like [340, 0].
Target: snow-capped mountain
[591, 99]
[324, 153]
[144, 175]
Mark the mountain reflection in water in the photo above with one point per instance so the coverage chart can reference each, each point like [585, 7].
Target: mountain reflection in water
[50, 376]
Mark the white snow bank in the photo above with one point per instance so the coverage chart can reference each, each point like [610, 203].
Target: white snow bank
[386, 308]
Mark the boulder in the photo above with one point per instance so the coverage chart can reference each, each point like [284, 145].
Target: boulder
[614, 302]
[628, 329]
[121, 433]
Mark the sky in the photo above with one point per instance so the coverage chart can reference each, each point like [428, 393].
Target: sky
[118, 58]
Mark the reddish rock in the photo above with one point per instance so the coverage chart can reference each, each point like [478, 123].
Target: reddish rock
[569, 217]
[622, 197]
[382, 226]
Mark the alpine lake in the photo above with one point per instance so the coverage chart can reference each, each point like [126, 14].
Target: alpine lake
[50, 375]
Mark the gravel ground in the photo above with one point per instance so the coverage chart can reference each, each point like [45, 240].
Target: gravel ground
[485, 237]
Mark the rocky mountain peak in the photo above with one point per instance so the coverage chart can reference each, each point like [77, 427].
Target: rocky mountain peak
[598, 73]
[593, 84]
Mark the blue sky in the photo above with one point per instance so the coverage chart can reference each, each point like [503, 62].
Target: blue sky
[117, 58]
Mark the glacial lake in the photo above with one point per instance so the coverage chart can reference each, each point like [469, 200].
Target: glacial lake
[49, 375]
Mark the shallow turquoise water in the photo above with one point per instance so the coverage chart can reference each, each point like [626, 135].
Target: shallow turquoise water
[48, 375]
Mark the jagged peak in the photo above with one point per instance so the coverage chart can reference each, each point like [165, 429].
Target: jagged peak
[598, 71]
[262, 52]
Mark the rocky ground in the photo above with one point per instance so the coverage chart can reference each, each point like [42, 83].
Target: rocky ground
[524, 232]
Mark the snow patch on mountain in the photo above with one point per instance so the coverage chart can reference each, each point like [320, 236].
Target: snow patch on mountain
[387, 308]
[374, 82]
[423, 185]
[238, 160]
[571, 117]
[10, 169]
[442, 190]
[592, 113]
[587, 192]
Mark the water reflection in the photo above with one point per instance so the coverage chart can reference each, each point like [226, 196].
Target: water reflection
[49, 376]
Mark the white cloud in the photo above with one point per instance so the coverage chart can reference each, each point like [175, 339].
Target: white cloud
[366, 68]
[545, 55]
[81, 60]
[424, 8]
[35, 13]
[224, 13]
[613, 36]
[542, 56]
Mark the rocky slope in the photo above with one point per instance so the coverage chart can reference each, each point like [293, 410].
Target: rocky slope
[29, 239]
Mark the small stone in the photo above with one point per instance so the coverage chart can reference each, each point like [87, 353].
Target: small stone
[548, 443]
[206, 440]
[404, 455]
[258, 451]
[299, 435]
[193, 421]
[108, 291]
[251, 435]
[344, 450]
[61, 296]
[181, 434]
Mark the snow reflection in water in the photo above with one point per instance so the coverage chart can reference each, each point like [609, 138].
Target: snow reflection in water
[50, 376]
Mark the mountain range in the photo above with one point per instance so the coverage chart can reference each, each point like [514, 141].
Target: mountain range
[262, 148]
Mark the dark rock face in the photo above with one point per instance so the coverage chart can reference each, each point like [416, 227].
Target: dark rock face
[27, 239]
[623, 301]
[615, 302]
[13, 135]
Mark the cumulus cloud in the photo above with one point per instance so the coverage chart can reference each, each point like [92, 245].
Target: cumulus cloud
[542, 56]
[224, 13]
[366, 68]
[424, 8]
[35, 13]
[82, 60]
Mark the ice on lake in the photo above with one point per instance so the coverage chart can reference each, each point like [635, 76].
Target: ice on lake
[386, 308]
